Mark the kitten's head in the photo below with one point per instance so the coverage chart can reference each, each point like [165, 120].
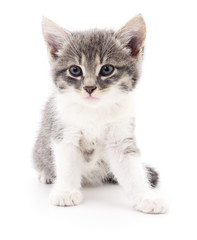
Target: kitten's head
[95, 67]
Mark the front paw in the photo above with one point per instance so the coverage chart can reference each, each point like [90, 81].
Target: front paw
[150, 204]
[65, 198]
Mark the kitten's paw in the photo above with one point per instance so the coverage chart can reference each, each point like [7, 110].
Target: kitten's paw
[65, 198]
[44, 179]
[150, 204]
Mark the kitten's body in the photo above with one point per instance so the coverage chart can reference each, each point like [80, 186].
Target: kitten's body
[89, 138]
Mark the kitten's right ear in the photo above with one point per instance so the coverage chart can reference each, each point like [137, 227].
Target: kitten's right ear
[54, 36]
[132, 35]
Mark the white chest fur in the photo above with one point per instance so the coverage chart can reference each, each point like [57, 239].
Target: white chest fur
[88, 128]
[93, 120]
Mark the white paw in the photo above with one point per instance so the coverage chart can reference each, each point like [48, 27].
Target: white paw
[150, 204]
[65, 198]
[44, 179]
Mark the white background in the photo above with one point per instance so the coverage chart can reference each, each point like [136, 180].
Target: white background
[166, 121]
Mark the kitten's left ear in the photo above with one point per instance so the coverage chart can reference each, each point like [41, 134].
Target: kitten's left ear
[132, 35]
[54, 36]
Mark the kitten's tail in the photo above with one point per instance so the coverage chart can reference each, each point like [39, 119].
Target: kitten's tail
[153, 176]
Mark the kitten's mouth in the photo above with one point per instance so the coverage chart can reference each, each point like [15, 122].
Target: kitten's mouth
[91, 98]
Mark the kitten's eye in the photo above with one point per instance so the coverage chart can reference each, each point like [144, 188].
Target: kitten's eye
[75, 71]
[106, 70]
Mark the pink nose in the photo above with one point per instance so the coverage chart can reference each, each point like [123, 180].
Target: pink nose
[90, 89]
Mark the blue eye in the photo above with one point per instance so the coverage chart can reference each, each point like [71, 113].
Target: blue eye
[75, 71]
[106, 70]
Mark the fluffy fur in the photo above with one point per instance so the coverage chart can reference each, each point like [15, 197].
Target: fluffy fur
[88, 137]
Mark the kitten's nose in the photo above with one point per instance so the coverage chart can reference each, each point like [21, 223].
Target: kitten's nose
[90, 89]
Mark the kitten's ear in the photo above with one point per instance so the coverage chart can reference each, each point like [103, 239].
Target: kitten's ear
[132, 35]
[54, 36]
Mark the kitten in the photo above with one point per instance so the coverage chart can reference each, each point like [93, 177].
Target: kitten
[87, 132]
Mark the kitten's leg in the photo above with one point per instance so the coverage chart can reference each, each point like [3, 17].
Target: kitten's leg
[43, 161]
[68, 159]
[130, 173]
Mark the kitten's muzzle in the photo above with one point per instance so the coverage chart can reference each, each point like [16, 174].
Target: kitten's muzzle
[90, 89]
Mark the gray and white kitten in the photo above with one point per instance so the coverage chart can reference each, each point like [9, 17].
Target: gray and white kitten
[87, 131]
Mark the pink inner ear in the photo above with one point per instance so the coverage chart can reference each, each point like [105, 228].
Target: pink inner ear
[135, 44]
[53, 45]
